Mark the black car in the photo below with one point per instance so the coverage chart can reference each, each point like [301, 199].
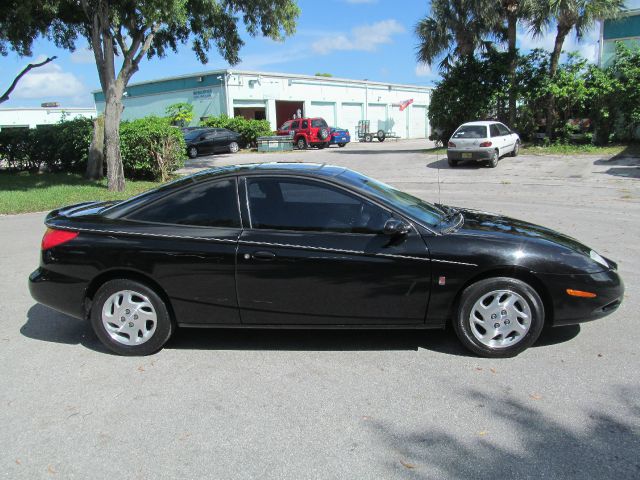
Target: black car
[312, 246]
[204, 141]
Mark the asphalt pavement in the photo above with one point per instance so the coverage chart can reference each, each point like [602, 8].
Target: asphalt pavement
[345, 405]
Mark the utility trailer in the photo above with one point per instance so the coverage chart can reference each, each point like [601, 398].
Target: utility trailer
[366, 135]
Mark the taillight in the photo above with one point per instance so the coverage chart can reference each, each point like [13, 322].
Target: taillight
[451, 145]
[53, 238]
[486, 144]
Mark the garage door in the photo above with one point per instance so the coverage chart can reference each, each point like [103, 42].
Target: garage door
[418, 124]
[398, 122]
[350, 115]
[325, 110]
[378, 117]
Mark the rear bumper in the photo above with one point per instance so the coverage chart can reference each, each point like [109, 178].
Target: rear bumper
[568, 310]
[340, 139]
[477, 155]
[60, 292]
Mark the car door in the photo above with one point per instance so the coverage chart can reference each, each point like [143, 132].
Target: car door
[497, 139]
[206, 142]
[507, 135]
[316, 254]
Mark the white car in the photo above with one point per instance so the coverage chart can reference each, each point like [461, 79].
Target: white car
[482, 142]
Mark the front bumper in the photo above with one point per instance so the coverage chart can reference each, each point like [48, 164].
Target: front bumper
[568, 310]
[60, 292]
[477, 155]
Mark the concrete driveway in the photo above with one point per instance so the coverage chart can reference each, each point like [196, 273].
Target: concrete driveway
[352, 405]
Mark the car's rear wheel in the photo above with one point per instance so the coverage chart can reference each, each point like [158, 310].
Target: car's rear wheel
[452, 162]
[192, 152]
[516, 149]
[341, 145]
[301, 143]
[130, 318]
[381, 135]
[493, 163]
[499, 317]
[233, 147]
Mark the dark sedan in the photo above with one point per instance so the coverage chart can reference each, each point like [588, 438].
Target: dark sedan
[211, 140]
[312, 246]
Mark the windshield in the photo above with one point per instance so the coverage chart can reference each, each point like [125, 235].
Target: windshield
[426, 213]
[192, 134]
[471, 131]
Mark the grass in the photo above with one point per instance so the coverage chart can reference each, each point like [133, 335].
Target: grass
[436, 151]
[29, 192]
[569, 149]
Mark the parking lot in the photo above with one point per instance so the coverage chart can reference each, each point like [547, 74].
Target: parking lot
[353, 405]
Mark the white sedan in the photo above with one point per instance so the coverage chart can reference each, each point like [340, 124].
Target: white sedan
[482, 142]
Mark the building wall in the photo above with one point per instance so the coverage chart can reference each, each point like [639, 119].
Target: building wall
[32, 117]
[625, 30]
[341, 102]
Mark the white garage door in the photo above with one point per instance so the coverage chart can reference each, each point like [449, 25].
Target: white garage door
[325, 110]
[418, 123]
[350, 115]
[398, 122]
[378, 117]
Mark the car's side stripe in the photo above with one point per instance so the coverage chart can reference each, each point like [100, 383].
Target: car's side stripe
[250, 242]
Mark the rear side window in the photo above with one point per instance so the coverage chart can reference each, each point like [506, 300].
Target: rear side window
[494, 130]
[286, 125]
[212, 204]
[471, 131]
[503, 130]
[305, 124]
[318, 123]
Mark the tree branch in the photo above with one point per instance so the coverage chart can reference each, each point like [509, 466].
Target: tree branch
[5, 95]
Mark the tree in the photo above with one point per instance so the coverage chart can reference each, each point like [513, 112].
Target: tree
[180, 114]
[567, 15]
[455, 29]
[135, 29]
[5, 96]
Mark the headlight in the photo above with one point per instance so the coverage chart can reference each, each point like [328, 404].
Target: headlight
[596, 257]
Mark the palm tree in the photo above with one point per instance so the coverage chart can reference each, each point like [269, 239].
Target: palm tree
[456, 28]
[568, 15]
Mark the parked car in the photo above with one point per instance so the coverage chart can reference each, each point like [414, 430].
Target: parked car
[307, 245]
[482, 142]
[211, 140]
[307, 132]
[339, 136]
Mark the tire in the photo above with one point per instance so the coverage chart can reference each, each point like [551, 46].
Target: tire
[144, 304]
[381, 135]
[452, 163]
[192, 152]
[493, 163]
[516, 149]
[368, 137]
[341, 145]
[324, 133]
[301, 143]
[233, 147]
[515, 333]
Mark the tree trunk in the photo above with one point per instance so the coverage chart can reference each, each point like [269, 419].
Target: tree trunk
[112, 114]
[95, 164]
[512, 20]
[561, 34]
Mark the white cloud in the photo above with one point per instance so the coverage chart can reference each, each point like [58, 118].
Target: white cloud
[49, 81]
[83, 55]
[365, 38]
[275, 57]
[423, 70]
[587, 46]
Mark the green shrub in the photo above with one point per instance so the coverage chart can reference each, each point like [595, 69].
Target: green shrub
[151, 148]
[249, 129]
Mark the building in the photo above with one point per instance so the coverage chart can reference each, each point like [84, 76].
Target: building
[276, 97]
[625, 29]
[37, 116]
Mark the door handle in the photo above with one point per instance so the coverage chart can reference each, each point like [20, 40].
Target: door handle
[263, 255]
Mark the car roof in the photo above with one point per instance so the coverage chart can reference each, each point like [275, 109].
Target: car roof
[482, 122]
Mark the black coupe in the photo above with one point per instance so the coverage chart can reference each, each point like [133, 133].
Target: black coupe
[203, 141]
[312, 246]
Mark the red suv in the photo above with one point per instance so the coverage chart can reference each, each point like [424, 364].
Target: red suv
[307, 132]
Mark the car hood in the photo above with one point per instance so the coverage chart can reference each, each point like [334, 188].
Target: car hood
[522, 243]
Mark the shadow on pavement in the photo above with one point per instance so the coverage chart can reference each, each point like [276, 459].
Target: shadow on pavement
[47, 325]
[545, 447]
[624, 164]
[443, 164]
[376, 151]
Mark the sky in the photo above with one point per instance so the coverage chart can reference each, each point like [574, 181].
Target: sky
[359, 39]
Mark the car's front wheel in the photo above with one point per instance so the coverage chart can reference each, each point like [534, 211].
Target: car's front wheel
[499, 317]
[516, 149]
[341, 145]
[192, 152]
[130, 318]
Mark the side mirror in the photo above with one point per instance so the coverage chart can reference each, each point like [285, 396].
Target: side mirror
[396, 227]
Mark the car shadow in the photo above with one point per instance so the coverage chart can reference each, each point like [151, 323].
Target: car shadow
[443, 163]
[47, 325]
[624, 164]
[386, 151]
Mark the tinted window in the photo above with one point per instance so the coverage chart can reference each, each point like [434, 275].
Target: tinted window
[318, 122]
[304, 205]
[305, 124]
[494, 130]
[471, 131]
[193, 134]
[286, 125]
[212, 204]
[503, 130]
[295, 124]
